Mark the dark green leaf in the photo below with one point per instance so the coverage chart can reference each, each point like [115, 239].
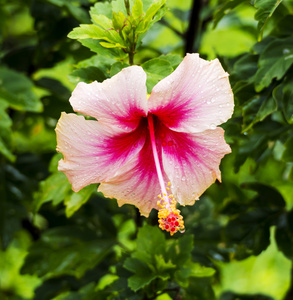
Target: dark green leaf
[284, 234]
[225, 9]
[87, 75]
[143, 274]
[17, 90]
[288, 153]
[54, 189]
[274, 62]
[257, 109]
[265, 9]
[156, 70]
[74, 201]
[117, 67]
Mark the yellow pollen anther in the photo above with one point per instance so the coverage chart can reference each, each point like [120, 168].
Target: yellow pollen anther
[169, 217]
[169, 183]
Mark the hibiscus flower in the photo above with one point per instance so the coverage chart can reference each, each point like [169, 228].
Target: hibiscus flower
[154, 150]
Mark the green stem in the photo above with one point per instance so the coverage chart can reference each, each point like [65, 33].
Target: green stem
[130, 56]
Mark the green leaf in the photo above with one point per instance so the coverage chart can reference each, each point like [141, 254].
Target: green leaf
[265, 9]
[257, 110]
[117, 67]
[179, 251]
[119, 21]
[17, 90]
[173, 59]
[102, 21]
[143, 274]
[192, 270]
[150, 241]
[156, 70]
[137, 9]
[66, 251]
[119, 5]
[95, 46]
[283, 94]
[75, 200]
[153, 14]
[224, 10]
[284, 27]
[284, 235]
[6, 151]
[92, 31]
[268, 196]
[288, 153]
[244, 69]
[102, 8]
[54, 189]
[87, 75]
[274, 62]
[77, 12]
[200, 271]
[5, 132]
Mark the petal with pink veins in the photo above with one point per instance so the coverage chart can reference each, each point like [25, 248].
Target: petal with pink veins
[191, 161]
[195, 97]
[120, 101]
[92, 151]
[137, 183]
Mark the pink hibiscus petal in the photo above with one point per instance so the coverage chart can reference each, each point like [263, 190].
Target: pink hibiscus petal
[92, 151]
[137, 183]
[119, 101]
[195, 97]
[191, 161]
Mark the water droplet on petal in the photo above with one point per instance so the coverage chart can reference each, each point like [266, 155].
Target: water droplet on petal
[213, 126]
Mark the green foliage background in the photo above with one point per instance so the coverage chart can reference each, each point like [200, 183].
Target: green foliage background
[61, 245]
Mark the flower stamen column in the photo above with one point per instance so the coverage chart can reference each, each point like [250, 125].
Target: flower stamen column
[169, 216]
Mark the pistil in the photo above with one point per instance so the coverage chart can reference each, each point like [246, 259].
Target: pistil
[169, 217]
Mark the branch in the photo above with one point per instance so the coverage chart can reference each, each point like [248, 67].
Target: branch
[193, 27]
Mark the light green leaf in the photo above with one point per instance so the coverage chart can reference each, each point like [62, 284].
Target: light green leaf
[274, 62]
[95, 46]
[201, 271]
[102, 21]
[119, 20]
[112, 45]
[154, 13]
[102, 8]
[119, 5]
[92, 31]
[137, 9]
